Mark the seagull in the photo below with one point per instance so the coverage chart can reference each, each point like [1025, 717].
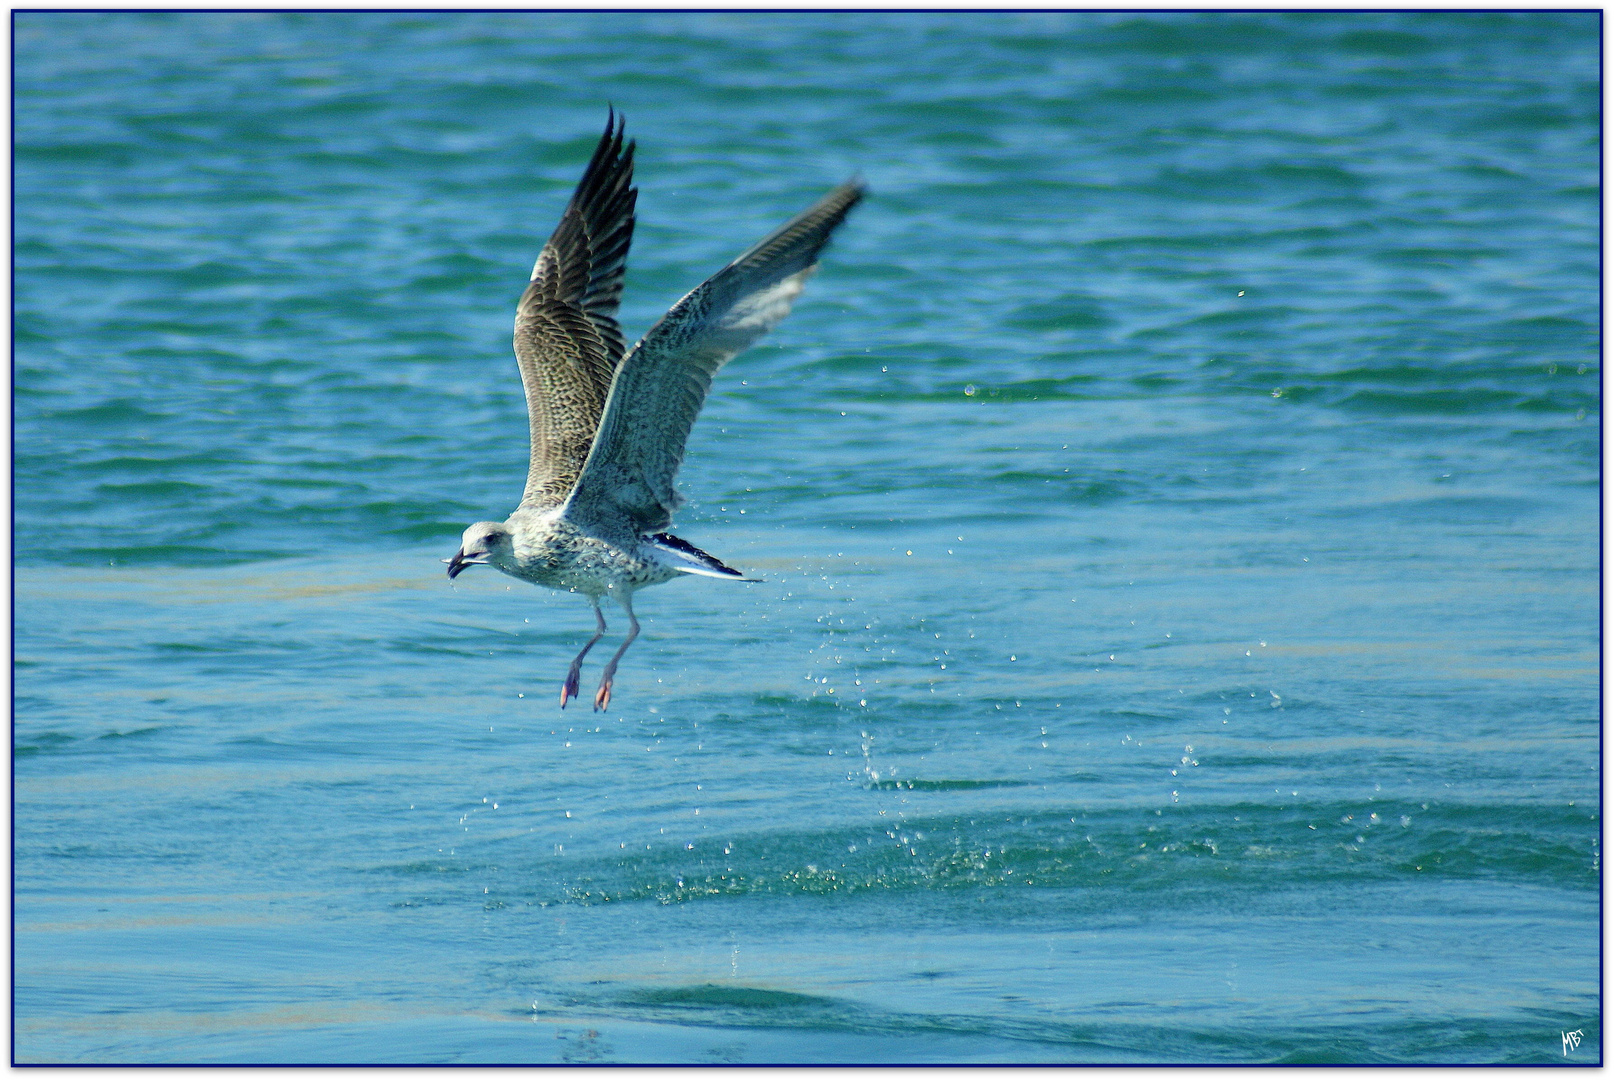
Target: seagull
[608, 424]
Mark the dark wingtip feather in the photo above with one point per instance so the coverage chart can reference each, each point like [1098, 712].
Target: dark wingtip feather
[590, 244]
[797, 243]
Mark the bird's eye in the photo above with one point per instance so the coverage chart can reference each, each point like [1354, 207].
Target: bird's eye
[490, 539]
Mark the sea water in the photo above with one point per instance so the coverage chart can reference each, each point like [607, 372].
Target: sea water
[1175, 499]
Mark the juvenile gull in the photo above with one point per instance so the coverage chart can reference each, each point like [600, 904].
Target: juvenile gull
[608, 431]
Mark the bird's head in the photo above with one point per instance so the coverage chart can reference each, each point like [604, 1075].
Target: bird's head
[484, 542]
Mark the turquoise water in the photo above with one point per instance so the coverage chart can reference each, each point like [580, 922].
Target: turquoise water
[1176, 499]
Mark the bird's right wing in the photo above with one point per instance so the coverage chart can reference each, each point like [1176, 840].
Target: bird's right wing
[567, 340]
[627, 482]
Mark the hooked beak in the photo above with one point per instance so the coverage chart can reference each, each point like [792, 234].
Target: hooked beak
[457, 563]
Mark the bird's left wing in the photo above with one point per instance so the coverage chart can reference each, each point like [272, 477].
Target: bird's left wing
[567, 339]
[627, 481]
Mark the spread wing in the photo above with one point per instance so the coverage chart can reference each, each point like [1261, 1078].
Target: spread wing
[568, 343]
[627, 482]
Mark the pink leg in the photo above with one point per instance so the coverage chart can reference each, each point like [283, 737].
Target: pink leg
[568, 689]
[602, 697]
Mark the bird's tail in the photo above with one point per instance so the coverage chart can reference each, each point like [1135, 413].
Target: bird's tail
[686, 558]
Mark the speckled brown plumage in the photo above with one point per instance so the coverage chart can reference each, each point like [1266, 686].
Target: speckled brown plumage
[567, 340]
[608, 431]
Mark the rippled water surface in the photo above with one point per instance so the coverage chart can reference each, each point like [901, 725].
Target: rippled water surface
[1176, 499]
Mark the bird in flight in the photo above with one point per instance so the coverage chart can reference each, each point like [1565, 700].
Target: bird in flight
[608, 424]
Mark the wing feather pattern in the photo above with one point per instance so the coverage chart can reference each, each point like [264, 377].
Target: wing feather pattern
[626, 486]
[567, 340]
